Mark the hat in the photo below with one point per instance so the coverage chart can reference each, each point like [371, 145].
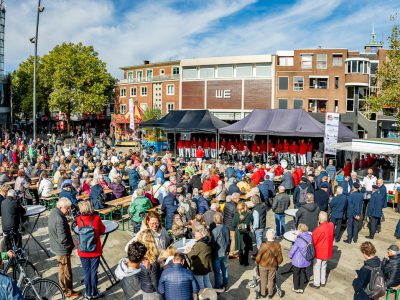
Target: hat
[375, 187]
[324, 185]
[393, 248]
[356, 185]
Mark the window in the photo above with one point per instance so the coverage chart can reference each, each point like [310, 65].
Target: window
[175, 70]
[130, 76]
[298, 83]
[283, 103]
[354, 66]
[286, 61]
[357, 66]
[122, 109]
[162, 72]
[189, 73]
[207, 72]
[122, 92]
[170, 106]
[318, 83]
[337, 60]
[170, 89]
[321, 61]
[244, 71]
[317, 106]
[374, 67]
[225, 71]
[297, 104]
[350, 99]
[336, 105]
[283, 83]
[336, 82]
[306, 61]
[139, 75]
[149, 73]
[133, 91]
[263, 70]
[143, 91]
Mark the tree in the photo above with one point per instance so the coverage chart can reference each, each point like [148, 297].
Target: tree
[388, 76]
[22, 89]
[78, 80]
[152, 113]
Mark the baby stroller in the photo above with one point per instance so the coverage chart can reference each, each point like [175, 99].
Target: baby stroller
[255, 283]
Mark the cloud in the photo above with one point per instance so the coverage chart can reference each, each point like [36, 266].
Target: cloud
[125, 32]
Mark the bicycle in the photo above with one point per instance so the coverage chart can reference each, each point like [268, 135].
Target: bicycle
[32, 285]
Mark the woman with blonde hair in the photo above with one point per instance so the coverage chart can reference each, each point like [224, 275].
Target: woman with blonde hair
[298, 254]
[241, 222]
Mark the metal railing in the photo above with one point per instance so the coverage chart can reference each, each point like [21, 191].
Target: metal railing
[150, 79]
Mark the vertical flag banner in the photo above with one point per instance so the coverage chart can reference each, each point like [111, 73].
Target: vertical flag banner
[131, 115]
[331, 132]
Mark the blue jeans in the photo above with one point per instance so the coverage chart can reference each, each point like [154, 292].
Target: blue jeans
[280, 224]
[203, 281]
[219, 265]
[258, 233]
[90, 266]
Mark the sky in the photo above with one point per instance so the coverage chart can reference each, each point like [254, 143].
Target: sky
[126, 32]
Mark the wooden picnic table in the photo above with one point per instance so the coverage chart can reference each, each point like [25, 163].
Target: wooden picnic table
[123, 202]
[83, 196]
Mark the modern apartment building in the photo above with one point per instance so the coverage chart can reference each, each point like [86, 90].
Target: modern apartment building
[150, 85]
[230, 87]
[329, 80]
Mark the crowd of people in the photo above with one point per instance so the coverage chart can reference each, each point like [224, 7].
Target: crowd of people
[189, 218]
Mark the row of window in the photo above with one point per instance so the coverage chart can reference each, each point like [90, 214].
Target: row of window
[143, 91]
[313, 105]
[149, 73]
[357, 66]
[228, 71]
[298, 83]
[307, 61]
[169, 105]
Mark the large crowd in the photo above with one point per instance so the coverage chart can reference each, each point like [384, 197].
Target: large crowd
[189, 216]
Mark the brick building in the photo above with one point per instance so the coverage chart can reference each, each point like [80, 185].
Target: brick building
[230, 87]
[150, 85]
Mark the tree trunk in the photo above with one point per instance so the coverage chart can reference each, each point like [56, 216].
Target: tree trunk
[68, 119]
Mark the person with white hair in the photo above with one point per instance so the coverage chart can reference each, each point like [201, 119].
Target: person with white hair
[338, 206]
[268, 258]
[160, 174]
[209, 215]
[62, 244]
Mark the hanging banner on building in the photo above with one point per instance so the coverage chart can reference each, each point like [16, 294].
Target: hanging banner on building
[131, 115]
[331, 132]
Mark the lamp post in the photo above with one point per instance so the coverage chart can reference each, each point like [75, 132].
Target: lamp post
[34, 40]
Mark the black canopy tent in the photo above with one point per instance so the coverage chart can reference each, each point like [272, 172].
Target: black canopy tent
[188, 121]
[284, 122]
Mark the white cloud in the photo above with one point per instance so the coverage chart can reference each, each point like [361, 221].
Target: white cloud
[162, 30]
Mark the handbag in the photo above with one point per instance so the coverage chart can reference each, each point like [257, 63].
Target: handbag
[243, 228]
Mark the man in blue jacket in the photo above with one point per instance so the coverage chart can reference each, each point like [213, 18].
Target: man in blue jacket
[160, 174]
[354, 210]
[264, 191]
[338, 206]
[134, 179]
[374, 211]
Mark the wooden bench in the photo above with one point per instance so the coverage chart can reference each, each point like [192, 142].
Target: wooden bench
[123, 220]
[106, 213]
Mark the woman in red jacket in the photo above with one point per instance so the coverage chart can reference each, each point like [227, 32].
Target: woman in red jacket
[90, 260]
[323, 244]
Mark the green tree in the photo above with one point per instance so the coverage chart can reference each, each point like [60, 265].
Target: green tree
[388, 76]
[78, 80]
[151, 113]
[22, 89]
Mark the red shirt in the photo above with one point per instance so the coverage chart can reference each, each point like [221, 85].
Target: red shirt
[229, 145]
[286, 147]
[278, 171]
[214, 181]
[278, 147]
[263, 147]
[262, 172]
[303, 148]
[206, 144]
[207, 185]
[223, 143]
[241, 146]
[193, 144]
[180, 144]
[310, 147]
[199, 153]
[256, 177]
[254, 148]
[293, 149]
[270, 146]
[199, 143]
[296, 178]
[322, 237]
[299, 172]
[187, 144]
[99, 229]
[347, 169]
[213, 145]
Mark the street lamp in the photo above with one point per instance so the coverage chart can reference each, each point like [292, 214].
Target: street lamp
[34, 40]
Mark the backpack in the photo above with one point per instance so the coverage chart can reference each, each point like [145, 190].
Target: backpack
[376, 287]
[86, 237]
[310, 251]
[303, 193]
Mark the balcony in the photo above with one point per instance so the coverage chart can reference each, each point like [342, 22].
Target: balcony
[150, 79]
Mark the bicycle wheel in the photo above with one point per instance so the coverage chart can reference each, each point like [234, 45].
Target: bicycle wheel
[43, 289]
[30, 271]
